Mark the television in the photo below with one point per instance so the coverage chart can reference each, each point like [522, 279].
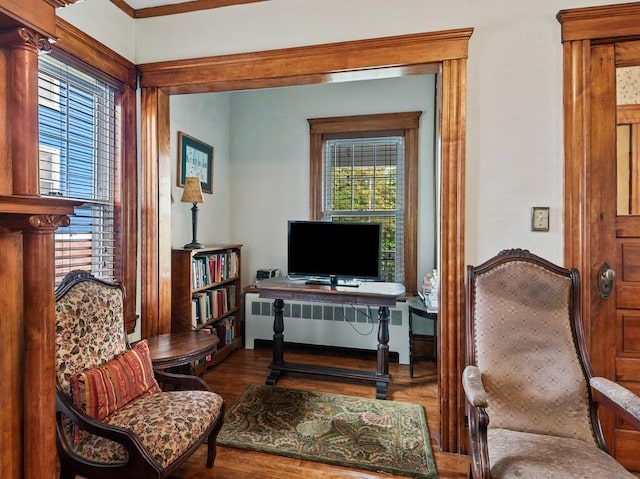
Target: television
[342, 254]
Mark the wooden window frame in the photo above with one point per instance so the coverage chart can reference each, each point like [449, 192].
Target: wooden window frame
[406, 122]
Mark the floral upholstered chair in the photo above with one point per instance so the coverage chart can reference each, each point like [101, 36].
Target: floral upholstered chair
[532, 400]
[112, 418]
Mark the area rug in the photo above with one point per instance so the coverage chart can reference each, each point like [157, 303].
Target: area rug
[375, 435]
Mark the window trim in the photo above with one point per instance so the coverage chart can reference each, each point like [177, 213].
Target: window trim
[82, 51]
[408, 123]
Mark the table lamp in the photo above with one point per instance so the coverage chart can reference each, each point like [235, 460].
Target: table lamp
[193, 194]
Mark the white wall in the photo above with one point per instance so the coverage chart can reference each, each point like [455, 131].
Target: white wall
[206, 118]
[106, 23]
[514, 115]
[270, 158]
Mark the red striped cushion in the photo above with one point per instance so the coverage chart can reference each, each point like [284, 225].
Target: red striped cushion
[101, 391]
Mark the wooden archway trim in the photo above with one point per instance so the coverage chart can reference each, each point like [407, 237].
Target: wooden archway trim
[444, 51]
[303, 65]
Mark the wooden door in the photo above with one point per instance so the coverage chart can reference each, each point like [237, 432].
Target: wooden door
[613, 186]
[602, 226]
[627, 238]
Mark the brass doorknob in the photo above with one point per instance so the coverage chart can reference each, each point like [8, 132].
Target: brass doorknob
[606, 278]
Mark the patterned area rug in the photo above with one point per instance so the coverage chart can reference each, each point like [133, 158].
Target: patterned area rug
[376, 435]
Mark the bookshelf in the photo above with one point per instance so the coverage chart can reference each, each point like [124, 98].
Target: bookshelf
[206, 295]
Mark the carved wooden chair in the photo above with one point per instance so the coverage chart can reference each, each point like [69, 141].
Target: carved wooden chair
[112, 419]
[532, 400]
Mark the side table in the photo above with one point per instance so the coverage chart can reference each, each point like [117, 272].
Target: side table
[181, 350]
[418, 308]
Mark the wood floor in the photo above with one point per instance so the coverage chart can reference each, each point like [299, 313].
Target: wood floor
[245, 366]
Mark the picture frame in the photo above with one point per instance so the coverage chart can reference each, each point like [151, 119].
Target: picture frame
[540, 218]
[195, 158]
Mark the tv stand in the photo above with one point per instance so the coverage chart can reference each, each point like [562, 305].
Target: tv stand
[334, 281]
[378, 294]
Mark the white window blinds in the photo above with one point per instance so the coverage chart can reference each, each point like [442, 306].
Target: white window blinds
[364, 181]
[78, 125]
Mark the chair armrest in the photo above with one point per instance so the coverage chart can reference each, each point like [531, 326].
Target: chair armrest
[620, 400]
[473, 388]
[138, 458]
[477, 402]
[181, 381]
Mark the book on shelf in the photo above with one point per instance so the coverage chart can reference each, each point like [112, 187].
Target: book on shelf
[230, 323]
[213, 303]
[202, 308]
[226, 330]
[221, 331]
[232, 296]
[194, 314]
[210, 268]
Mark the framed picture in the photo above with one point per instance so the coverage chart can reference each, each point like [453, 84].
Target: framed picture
[195, 158]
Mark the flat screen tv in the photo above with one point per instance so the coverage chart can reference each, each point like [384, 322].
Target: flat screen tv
[340, 254]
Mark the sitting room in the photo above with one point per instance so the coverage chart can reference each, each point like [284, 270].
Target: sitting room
[171, 148]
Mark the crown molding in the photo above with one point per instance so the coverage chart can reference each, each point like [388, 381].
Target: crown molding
[176, 8]
[60, 3]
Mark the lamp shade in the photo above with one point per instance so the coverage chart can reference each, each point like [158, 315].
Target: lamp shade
[192, 190]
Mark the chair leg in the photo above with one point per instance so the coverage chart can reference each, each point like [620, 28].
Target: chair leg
[211, 450]
[66, 473]
[211, 441]
[410, 344]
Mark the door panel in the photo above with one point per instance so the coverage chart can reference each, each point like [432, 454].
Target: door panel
[628, 342]
[627, 449]
[628, 372]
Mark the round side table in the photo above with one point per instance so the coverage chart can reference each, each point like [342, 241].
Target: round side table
[181, 350]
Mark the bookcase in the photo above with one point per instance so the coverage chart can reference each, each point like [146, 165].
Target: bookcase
[206, 295]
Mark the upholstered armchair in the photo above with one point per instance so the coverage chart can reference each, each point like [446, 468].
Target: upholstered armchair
[532, 400]
[112, 418]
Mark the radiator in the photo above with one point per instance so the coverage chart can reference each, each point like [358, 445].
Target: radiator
[327, 324]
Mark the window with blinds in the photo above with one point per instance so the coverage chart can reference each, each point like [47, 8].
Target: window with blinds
[78, 129]
[363, 181]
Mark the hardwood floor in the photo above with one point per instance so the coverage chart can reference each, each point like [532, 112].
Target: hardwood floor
[245, 366]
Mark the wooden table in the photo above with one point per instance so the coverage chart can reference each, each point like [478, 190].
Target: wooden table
[181, 350]
[378, 294]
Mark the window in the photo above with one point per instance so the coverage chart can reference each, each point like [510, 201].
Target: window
[78, 134]
[363, 181]
[364, 168]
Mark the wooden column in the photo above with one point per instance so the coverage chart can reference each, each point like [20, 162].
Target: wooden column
[11, 352]
[22, 46]
[29, 240]
[156, 214]
[39, 346]
[451, 322]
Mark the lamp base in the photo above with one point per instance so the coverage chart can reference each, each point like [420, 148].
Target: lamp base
[194, 245]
